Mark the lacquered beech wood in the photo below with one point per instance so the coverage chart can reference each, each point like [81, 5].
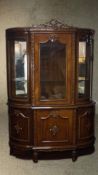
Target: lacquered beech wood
[50, 121]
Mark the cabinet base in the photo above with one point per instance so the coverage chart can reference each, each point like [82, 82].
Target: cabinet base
[36, 155]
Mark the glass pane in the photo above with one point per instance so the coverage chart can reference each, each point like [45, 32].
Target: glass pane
[82, 69]
[82, 51]
[20, 68]
[52, 70]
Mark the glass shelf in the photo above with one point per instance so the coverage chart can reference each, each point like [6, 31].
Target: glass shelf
[82, 79]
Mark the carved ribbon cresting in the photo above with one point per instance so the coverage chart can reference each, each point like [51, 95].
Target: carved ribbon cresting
[52, 24]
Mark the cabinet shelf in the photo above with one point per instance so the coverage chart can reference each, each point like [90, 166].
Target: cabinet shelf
[82, 79]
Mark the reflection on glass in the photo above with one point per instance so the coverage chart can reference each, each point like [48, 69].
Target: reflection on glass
[82, 51]
[52, 70]
[20, 67]
[81, 87]
[82, 69]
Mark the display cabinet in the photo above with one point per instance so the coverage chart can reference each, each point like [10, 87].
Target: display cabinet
[49, 75]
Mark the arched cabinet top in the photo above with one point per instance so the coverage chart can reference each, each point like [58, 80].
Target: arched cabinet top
[52, 25]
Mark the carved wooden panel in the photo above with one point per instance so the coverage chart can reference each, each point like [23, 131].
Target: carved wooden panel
[54, 127]
[19, 125]
[85, 124]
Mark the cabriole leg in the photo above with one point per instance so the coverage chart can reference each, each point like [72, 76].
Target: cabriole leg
[74, 155]
[11, 151]
[35, 156]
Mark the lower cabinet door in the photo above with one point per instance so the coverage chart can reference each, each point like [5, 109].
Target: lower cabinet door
[20, 121]
[85, 125]
[53, 127]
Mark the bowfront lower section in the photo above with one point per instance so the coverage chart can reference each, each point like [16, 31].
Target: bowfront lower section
[55, 129]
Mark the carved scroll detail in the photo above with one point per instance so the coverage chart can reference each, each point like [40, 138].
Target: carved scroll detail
[88, 123]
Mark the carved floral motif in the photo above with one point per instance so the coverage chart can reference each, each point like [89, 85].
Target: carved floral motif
[17, 128]
[54, 130]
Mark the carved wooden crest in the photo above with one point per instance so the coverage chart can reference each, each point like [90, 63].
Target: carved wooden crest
[52, 24]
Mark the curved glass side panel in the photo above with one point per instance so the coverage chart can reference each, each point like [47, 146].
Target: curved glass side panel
[52, 70]
[20, 68]
[82, 69]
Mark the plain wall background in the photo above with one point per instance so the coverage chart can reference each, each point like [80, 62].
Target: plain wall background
[17, 13]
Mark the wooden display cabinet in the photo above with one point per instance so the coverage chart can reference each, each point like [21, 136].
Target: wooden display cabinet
[49, 74]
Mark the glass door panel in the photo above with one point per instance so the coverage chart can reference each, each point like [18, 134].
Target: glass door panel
[52, 70]
[20, 72]
[83, 70]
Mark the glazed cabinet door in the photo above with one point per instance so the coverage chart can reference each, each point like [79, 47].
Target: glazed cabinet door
[85, 66]
[53, 76]
[53, 128]
[18, 68]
